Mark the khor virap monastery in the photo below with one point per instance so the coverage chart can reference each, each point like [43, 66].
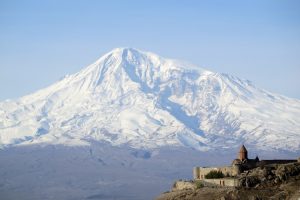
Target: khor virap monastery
[238, 166]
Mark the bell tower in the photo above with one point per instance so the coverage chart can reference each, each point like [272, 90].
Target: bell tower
[243, 153]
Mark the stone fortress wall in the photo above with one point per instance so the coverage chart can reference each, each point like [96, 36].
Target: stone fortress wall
[200, 172]
[224, 182]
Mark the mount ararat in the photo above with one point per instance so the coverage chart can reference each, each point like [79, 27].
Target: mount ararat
[130, 124]
[146, 101]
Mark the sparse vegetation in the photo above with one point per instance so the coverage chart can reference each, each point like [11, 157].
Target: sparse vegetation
[199, 184]
[214, 174]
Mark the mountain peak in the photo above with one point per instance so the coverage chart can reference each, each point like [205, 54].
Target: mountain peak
[141, 58]
[138, 98]
[122, 49]
[121, 52]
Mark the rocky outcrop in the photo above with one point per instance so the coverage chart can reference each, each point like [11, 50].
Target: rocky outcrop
[269, 175]
[281, 181]
[183, 185]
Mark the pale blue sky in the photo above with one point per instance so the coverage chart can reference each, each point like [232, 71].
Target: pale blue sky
[40, 41]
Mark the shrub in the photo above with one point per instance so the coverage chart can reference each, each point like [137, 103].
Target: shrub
[199, 184]
[214, 174]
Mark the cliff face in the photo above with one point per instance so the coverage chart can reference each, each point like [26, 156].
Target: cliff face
[268, 182]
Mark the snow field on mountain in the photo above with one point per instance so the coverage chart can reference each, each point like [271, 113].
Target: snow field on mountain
[145, 101]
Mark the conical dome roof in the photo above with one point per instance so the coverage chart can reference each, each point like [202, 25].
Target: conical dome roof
[243, 149]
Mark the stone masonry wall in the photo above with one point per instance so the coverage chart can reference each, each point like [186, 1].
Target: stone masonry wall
[200, 172]
[224, 182]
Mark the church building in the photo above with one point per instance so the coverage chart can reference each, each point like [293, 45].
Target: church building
[239, 165]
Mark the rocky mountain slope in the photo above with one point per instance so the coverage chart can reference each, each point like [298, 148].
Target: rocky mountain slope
[146, 101]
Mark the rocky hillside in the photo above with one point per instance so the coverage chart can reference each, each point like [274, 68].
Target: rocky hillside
[268, 182]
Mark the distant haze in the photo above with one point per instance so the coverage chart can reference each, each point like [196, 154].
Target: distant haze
[41, 41]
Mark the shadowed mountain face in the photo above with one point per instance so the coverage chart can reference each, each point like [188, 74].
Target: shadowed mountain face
[143, 100]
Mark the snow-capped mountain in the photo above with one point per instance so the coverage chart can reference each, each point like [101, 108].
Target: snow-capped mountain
[145, 101]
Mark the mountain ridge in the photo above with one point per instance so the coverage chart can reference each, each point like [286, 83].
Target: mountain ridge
[139, 98]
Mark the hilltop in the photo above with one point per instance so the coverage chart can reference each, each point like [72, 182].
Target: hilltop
[280, 181]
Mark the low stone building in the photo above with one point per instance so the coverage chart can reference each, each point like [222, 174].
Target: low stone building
[239, 165]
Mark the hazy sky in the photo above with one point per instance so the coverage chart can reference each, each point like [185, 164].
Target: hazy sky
[40, 41]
